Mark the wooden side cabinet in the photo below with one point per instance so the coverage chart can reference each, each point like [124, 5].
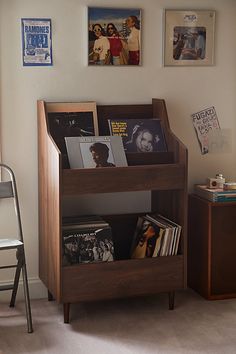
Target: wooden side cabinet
[212, 248]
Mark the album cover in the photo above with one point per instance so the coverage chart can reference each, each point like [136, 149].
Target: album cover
[139, 135]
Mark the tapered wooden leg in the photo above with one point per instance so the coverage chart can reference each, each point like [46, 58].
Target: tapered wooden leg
[171, 300]
[66, 307]
[50, 296]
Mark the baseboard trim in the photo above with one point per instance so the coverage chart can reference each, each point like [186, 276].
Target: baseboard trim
[36, 289]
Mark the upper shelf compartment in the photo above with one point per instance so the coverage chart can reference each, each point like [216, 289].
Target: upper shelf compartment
[145, 171]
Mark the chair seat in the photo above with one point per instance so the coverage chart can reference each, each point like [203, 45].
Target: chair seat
[8, 243]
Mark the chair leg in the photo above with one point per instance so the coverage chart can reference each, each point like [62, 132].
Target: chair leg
[27, 298]
[19, 256]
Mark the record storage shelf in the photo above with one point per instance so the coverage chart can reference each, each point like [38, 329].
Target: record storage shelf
[166, 178]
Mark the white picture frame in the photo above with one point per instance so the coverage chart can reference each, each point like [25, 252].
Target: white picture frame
[188, 37]
[81, 151]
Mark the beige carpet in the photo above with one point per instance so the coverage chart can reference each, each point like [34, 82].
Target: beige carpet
[140, 326]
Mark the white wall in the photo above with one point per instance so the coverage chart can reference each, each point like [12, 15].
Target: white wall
[185, 89]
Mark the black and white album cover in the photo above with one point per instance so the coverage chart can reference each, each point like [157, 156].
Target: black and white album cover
[98, 151]
[87, 246]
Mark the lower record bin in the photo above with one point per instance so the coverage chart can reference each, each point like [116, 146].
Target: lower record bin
[124, 278]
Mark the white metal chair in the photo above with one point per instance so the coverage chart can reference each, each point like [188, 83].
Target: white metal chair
[8, 190]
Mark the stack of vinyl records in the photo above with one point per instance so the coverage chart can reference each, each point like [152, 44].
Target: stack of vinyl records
[216, 194]
[86, 239]
[155, 236]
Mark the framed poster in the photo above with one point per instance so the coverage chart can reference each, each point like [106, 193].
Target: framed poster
[36, 42]
[189, 37]
[114, 36]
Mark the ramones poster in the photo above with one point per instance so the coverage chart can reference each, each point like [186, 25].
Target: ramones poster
[36, 41]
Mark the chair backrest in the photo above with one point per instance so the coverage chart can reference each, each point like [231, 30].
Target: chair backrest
[8, 189]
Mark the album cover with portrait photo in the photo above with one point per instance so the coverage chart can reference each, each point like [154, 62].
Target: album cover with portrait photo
[97, 151]
[139, 135]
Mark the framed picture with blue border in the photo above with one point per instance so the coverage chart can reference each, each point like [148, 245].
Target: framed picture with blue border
[36, 41]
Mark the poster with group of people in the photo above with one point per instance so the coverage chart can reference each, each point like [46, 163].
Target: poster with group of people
[114, 36]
